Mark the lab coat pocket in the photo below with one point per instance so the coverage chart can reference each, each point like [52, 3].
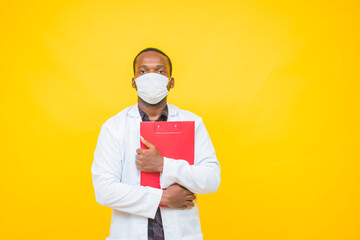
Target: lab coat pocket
[120, 227]
[190, 224]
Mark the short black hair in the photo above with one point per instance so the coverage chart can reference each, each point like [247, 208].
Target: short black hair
[155, 50]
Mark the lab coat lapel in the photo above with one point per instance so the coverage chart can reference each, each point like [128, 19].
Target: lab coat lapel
[135, 117]
[173, 113]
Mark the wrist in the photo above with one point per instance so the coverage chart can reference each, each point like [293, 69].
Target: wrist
[161, 167]
[164, 198]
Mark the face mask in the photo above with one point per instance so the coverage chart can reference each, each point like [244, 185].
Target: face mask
[151, 87]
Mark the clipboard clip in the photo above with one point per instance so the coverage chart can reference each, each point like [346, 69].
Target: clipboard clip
[174, 127]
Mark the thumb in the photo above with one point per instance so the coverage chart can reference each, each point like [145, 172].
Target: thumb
[146, 142]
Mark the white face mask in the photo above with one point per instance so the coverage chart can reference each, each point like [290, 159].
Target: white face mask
[151, 87]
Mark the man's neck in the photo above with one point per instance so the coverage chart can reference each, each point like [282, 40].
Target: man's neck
[152, 110]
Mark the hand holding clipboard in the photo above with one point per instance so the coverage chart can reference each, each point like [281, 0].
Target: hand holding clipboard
[174, 139]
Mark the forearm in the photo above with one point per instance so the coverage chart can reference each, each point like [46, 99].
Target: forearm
[107, 174]
[138, 200]
[200, 179]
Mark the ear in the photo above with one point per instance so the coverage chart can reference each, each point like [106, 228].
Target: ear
[133, 83]
[171, 83]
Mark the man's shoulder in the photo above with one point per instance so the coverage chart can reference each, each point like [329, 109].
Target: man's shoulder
[185, 114]
[116, 119]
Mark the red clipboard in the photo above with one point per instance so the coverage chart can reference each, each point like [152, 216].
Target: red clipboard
[174, 139]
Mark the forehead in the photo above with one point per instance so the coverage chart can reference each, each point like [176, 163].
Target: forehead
[151, 58]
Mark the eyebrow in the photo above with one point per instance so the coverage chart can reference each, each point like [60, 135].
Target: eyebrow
[148, 65]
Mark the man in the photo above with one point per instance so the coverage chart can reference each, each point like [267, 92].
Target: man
[118, 160]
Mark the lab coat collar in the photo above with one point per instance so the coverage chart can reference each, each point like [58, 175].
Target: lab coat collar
[134, 111]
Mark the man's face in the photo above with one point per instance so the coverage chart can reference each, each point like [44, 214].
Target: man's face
[152, 62]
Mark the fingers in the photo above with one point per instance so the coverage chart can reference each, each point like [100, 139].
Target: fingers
[183, 207]
[146, 142]
[188, 204]
[190, 197]
[138, 157]
[138, 164]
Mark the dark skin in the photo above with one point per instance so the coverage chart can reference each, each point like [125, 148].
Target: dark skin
[151, 160]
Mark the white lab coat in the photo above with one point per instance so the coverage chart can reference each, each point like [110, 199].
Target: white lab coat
[116, 179]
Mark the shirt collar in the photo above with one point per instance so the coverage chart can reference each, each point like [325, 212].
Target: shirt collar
[134, 110]
[163, 116]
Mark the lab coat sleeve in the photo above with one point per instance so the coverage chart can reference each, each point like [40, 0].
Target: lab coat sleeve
[106, 175]
[202, 177]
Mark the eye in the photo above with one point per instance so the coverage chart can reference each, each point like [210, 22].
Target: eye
[142, 71]
[161, 71]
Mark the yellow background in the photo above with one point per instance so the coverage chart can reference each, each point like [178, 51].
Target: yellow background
[276, 82]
